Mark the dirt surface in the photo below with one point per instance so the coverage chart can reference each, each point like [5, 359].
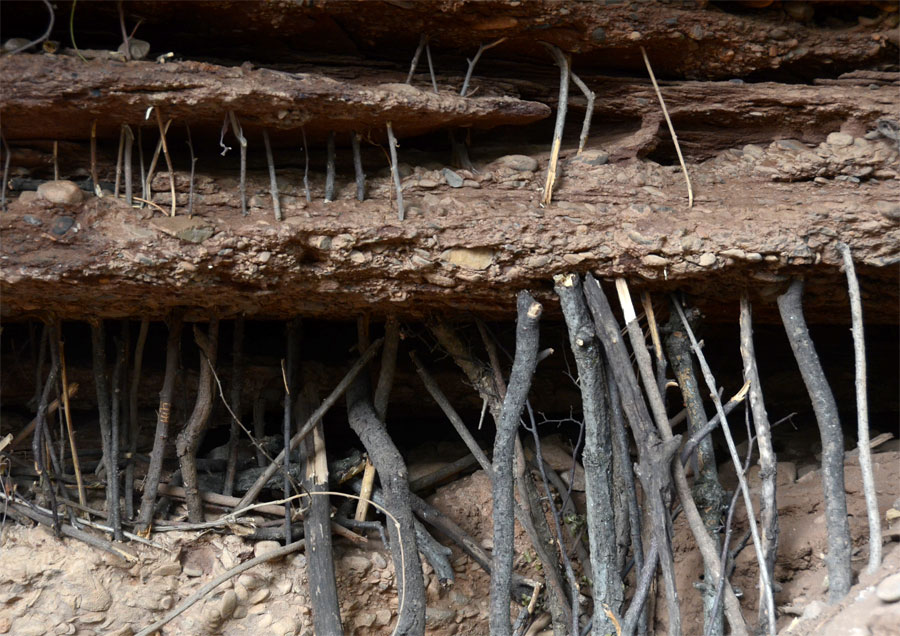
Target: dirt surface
[49, 586]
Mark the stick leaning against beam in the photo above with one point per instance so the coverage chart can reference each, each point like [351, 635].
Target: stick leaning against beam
[307, 428]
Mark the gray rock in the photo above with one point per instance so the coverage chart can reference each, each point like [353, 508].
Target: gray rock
[889, 589]
[813, 610]
[453, 179]
[139, 48]
[519, 163]
[62, 192]
[32, 220]
[62, 225]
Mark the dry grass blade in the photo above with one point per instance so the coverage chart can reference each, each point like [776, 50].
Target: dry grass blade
[665, 111]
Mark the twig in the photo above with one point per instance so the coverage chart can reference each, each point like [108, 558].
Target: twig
[165, 147]
[388, 366]
[145, 187]
[101, 386]
[133, 419]
[51, 409]
[76, 464]
[37, 446]
[237, 380]
[161, 434]
[306, 166]
[5, 185]
[95, 182]
[329, 168]
[290, 385]
[395, 172]
[423, 40]
[71, 31]
[148, 192]
[276, 201]
[47, 32]
[358, 168]
[239, 133]
[216, 582]
[745, 490]
[129, 142]
[768, 508]
[115, 512]
[125, 38]
[561, 107]
[190, 146]
[862, 411]
[70, 531]
[156, 206]
[481, 49]
[431, 68]
[662, 103]
[55, 160]
[189, 439]
[589, 112]
[119, 161]
[307, 427]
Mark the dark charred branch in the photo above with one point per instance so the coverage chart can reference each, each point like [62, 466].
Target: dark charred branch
[392, 473]
[237, 386]
[190, 437]
[607, 588]
[134, 425]
[527, 339]
[101, 383]
[291, 369]
[40, 445]
[840, 575]
[317, 524]
[359, 174]
[115, 512]
[161, 436]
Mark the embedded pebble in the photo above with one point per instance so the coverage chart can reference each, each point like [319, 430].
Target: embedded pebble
[228, 604]
[813, 610]
[139, 48]
[168, 569]
[889, 589]
[356, 563]
[453, 179]
[707, 259]
[32, 220]
[839, 140]
[192, 571]
[264, 547]
[259, 596]
[379, 561]
[519, 163]
[62, 192]
[652, 260]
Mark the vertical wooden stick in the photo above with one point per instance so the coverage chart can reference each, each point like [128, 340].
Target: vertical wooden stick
[56, 161]
[165, 147]
[134, 425]
[395, 172]
[358, 167]
[129, 142]
[589, 113]
[190, 146]
[119, 161]
[306, 166]
[273, 181]
[862, 411]
[423, 40]
[329, 169]
[95, 183]
[561, 107]
[239, 133]
[70, 429]
[431, 67]
[368, 483]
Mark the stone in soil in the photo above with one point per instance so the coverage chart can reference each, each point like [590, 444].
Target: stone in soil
[61, 192]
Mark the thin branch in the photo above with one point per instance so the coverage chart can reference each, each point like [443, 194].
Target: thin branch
[165, 147]
[662, 103]
[276, 201]
[125, 38]
[129, 143]
[395, 172]
[481, 49]
[745, 490]
[239, 133]
[95, 182]
[47, 33]
[423, 40]
[431, 68]
[358, 167]
[561, 107]
[329, 168]
[862, 411]
[589, 112]
[190, 146]
[306, 166]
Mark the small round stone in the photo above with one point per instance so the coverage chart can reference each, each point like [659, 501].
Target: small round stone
[889, 589]
[62, 192]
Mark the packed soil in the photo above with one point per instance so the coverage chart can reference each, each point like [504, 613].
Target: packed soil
[61, 586]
